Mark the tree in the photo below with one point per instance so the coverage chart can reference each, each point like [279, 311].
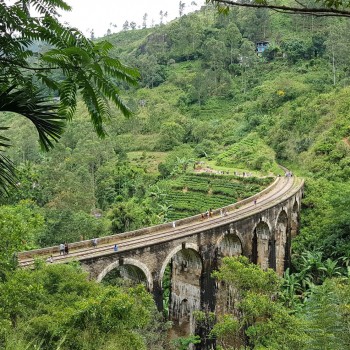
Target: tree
[20, 225]
[247, 59]
[331, 8]
[133, 25]
[65, 225]
[181, 8]
[176, 160]
[127, 216]
[200, 88]
[327, 311]
[72, 65]
[112, 25]
[232, 37]
[144, 20]
[126, 25]
[152, 73]
[337, 49]
[215, 55]
[172, 134]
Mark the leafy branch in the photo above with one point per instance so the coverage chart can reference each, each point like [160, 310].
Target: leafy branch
[331, 8]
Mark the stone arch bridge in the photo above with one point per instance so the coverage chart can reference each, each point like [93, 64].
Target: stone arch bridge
[262, 231]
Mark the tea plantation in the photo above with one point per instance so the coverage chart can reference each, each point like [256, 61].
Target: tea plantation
[192, 194]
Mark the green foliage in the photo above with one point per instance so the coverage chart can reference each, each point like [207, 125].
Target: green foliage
[130, 216]
[227, 331]
[325, 225]
[57, 307]
[327, 313]
[152, 74]
[251, 153]
[184, 342]
[172, 134]
[176, 161]
[69, 226]
[297, 49]
[247, 277]
[258, 320]
[20, 226]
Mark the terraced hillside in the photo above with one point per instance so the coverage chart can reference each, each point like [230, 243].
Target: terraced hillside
[191, 194]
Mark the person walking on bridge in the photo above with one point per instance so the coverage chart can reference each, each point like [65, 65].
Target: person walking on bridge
[66, 248]
[61, 249]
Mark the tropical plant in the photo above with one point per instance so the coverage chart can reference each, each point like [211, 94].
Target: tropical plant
[327, 313]
[291, 289]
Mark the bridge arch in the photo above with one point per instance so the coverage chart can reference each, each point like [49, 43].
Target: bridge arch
[262, 244]
[295, 219]
[183, 286]
[230, 244]
[173, 252]
[281, 241]
[132, 262]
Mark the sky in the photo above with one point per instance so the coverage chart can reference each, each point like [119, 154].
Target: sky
[99, 15]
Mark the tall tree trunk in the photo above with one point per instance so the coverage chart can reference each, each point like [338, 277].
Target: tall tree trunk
[333, 66]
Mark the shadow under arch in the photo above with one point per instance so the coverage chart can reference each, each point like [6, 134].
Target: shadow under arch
[295, 219]
[282, 242]
[229, 245]
[262, 244]
[295, 206]
[132, 262]
[181, 281]
[189, 246]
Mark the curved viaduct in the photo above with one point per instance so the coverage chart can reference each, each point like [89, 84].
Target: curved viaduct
[194, 248]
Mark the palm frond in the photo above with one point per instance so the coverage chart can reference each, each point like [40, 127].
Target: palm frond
[7, 173]
[42, 112]
[4, 141]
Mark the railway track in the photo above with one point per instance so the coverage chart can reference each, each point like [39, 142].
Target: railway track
[284, 189]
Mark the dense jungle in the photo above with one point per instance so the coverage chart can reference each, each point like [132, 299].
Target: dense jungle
[207, 107]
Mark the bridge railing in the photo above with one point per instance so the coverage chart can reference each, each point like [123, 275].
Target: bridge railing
[115, 238]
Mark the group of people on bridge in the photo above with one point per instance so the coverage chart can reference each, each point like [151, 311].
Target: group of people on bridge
[209, 213]
[64, 248]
